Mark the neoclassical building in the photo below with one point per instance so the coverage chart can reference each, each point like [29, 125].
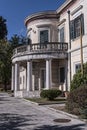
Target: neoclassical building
[52, 54]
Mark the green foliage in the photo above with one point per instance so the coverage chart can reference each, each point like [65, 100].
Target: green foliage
[50, 94]
[77, 100]
[16, 41]
[5, 62]
[83, 113]
[3, 28]
[6, 51]
[79, 79]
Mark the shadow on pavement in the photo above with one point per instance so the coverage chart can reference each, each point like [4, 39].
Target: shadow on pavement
[10, 121]
[56, 127]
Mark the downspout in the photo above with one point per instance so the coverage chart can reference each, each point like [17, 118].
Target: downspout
[69, 53]
[81, 48]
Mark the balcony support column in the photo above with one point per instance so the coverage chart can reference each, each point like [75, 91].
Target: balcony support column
[13, 78]
[16, 76]
[29, 75]
[48, 74]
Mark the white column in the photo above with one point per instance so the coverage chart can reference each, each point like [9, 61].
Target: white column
[13, 78]
[29, 76]
[33, 82]
[48, 74]
[16, 76]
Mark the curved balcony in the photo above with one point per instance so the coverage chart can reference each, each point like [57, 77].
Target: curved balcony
[54, 50]
[41, 48]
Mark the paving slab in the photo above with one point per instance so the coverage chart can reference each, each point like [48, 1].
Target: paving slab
[19, 114]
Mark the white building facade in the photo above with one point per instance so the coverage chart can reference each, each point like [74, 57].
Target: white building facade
[53, 53]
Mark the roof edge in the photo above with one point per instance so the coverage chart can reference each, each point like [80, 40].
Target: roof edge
[44, 13]
[66, 3]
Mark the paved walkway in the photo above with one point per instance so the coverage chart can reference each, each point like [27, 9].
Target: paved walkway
[18, 114]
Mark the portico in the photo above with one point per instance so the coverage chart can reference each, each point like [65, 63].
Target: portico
[33, 75]
[29, 78]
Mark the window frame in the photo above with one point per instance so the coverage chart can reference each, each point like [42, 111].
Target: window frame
[43, 29]
[73, 27]
[59, 34]
[44, 36]
[62, 33]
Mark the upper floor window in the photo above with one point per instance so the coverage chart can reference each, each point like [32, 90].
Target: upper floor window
[44, 36]
[75, 26]
[62, 34]
[77, 67]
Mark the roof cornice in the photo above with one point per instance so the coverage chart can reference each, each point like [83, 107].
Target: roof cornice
[64, 5]
[41, 15]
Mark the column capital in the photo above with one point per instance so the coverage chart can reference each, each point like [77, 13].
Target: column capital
[30, 60]
[48, 59]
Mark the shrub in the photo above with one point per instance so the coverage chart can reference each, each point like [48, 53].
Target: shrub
[77, 100]
[83, 113]
[79, 79]
[50, 94]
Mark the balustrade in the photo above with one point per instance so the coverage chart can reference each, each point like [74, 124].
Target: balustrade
[40, 47]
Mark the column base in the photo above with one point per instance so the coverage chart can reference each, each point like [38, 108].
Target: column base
[27, 94]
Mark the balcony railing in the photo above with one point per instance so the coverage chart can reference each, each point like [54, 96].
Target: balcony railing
[42, 47]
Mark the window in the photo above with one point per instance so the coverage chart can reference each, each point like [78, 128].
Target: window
[61, 31]
[77, 67]
[75, 26]
[43, 36]
[62, 74]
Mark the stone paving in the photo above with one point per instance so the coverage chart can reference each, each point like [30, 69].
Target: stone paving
[19, 114]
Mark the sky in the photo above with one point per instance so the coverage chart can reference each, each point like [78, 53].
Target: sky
[15, 12]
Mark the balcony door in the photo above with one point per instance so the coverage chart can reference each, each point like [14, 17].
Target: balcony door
[44, 36]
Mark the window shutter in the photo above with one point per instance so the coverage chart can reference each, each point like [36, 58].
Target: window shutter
[72, 34]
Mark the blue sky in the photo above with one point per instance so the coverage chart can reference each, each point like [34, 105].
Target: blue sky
[15, 12]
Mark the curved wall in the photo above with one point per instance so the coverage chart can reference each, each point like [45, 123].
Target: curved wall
[39, 22]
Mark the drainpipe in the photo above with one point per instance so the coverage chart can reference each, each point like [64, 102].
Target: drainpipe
[81, 49]
[69, 53]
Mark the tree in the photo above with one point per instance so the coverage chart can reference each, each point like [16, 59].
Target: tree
[3, 28]
[6, 51]
[16, 41]
[5, 63]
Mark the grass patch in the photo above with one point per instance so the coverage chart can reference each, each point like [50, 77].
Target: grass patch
[61, 108]
[45, 101]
